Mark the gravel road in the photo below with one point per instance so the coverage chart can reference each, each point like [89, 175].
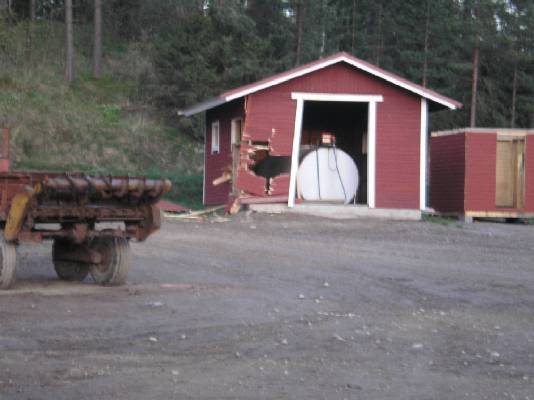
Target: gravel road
[282, 307]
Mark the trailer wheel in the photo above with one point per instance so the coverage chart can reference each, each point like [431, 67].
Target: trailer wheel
[68, 270]
[8, 264]
[113, 269]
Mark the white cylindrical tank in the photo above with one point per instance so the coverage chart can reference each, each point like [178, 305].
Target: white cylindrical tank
[328, 174]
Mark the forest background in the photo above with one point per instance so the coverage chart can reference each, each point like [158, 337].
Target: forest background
[94, 85]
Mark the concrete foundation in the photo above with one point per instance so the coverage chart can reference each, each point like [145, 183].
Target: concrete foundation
[339, 211]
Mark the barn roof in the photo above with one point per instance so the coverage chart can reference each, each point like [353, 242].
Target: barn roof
[278, 79]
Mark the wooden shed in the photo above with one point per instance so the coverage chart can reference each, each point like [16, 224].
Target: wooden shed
[257, 135]
[483, 172]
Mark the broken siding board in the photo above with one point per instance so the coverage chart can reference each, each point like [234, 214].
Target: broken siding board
[279, 185]
[254, 129]
[249, 182]
[281, 145]
[269, 114]
[257, 134]
[263, 200]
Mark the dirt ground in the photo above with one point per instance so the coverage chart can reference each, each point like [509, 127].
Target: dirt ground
[283, 307]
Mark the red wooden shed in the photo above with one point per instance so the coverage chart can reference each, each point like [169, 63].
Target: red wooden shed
[483, 172]
[257, 135]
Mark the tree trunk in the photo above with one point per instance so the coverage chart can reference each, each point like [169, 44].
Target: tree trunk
[514, 97]
[300, 9]
[427, 40]
[97, 49]
[69, 46]
[31, 28]
[353, 28]
[33, 10]
[476, 51]
[5, 6]
[474, 88]
[379, 35]
[324, 6]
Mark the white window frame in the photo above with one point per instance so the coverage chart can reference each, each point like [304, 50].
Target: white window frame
[215, 137]
[423, 156]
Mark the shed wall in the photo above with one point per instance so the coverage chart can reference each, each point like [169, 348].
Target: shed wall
[481, 170]
[447, 173]
[469, 160]
[529, 174]
[214, 164]
[270, 116]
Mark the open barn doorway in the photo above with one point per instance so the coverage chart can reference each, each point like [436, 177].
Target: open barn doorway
[333, 153]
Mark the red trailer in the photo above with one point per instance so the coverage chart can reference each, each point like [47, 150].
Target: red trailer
[483, 172]
[89, 218]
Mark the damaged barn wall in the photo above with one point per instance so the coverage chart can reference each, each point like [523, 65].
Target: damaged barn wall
[271, 118]
[215, 164]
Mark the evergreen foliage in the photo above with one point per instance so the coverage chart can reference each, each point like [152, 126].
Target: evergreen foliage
[197, 48]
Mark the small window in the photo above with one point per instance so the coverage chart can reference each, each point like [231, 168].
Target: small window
[215, 137]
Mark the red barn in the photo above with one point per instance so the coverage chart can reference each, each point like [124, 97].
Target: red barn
[257, 135]
[483, 172]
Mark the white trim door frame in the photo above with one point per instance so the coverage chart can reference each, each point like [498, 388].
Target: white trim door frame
[423, 156]
[372, 101]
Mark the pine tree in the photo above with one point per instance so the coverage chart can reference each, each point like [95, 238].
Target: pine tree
[69, 46]
[97, 42]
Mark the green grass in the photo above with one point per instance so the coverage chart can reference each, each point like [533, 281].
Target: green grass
[186, 188]
[99, 126]
[440, 220]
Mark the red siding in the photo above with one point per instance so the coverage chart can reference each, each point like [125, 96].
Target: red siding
[480, 171]
[472, 161]
[216, 163]
[398, 126]
[482, 160]
[447, 173]
[529, 174]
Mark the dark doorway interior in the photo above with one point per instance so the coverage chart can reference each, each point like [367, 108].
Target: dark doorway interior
[348, 122]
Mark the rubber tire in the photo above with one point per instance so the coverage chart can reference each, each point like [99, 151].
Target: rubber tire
[68, 270]
[115, 264]
[8, 264]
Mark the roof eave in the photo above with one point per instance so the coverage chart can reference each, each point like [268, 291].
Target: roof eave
[200, 107]
[342, 57]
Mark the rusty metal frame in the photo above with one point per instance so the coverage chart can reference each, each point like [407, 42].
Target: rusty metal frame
[77, 202]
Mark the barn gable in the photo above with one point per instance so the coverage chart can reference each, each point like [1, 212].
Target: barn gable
[306, 69]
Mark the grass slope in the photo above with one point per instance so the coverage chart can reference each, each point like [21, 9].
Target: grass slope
[91, 125]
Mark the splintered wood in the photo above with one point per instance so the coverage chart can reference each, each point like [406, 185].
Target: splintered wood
[278, 186]
[280, 145]
[225, 177]
[257, 144]
[249, 182]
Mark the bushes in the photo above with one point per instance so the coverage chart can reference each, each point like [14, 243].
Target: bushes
[187, 190]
